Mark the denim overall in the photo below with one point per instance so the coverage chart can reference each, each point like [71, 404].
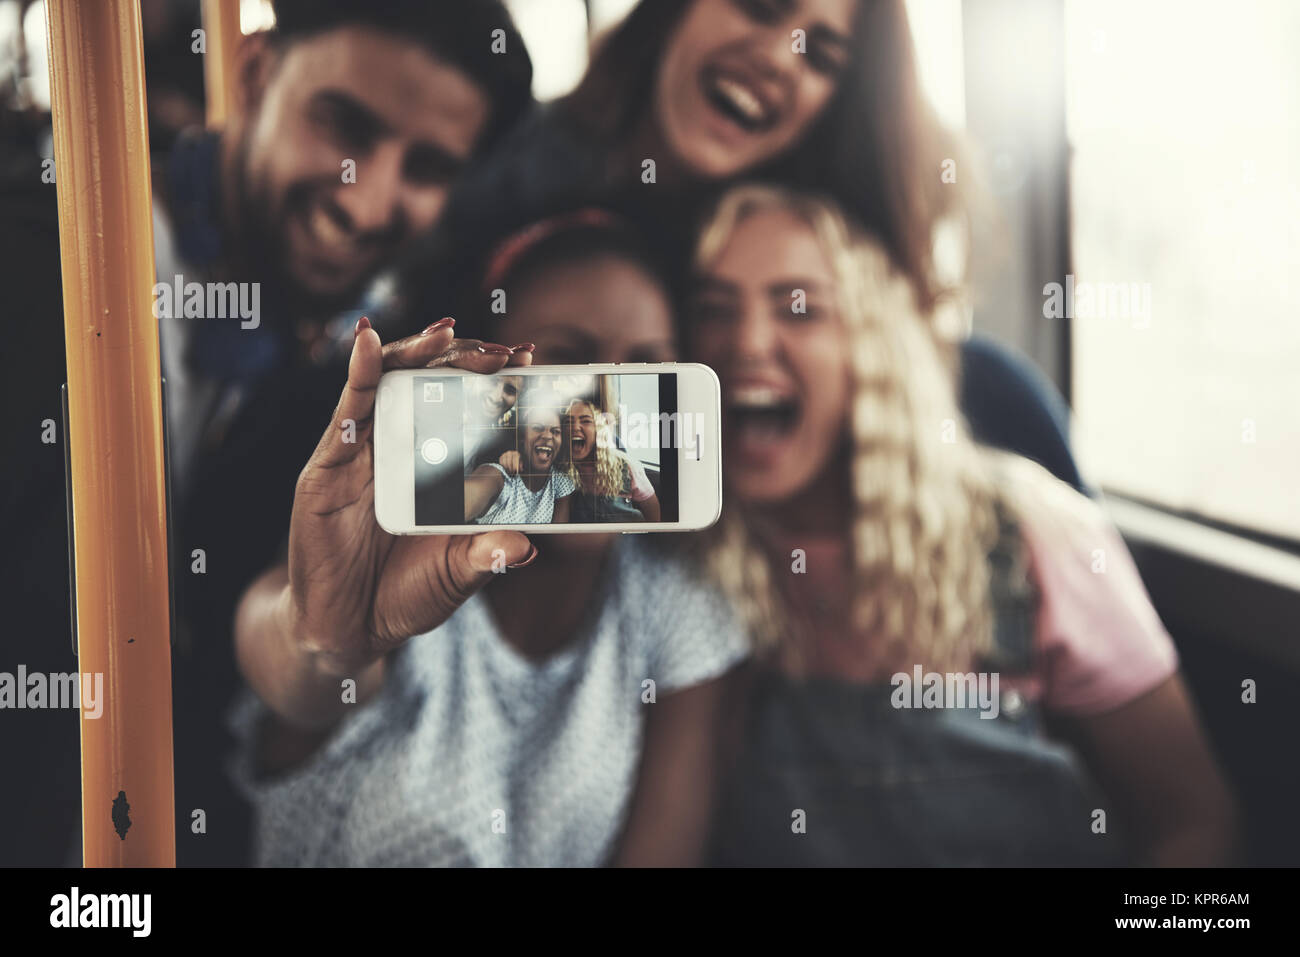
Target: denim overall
[883, 786]
[588, 507]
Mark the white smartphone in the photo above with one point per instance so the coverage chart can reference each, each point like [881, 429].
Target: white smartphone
[629, 447]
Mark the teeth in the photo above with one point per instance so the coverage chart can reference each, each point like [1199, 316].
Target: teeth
[756, 397]
[326, 230]
[741, 97]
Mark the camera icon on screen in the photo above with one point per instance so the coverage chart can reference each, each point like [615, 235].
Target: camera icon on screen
[434, 451]
[433, 392]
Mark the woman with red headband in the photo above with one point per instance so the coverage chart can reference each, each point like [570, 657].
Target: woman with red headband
[565, 715]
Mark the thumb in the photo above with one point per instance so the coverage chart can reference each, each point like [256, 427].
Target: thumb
[439, 576]
[491, 552]
[473, 560]
[354, 415]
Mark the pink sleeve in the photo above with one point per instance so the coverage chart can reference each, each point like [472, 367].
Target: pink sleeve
[1102, 643]
[641, 487]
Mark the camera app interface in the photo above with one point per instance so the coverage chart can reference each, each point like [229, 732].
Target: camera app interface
[547, 449]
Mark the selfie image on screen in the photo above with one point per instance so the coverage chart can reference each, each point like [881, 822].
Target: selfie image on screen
[545, 449]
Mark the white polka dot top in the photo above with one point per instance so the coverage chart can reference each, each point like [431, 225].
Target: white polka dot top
[474, 755]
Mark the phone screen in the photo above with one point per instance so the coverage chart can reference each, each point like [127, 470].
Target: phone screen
[544, 449]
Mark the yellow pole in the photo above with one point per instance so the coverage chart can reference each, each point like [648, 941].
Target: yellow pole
[101, 153]
[222, 36]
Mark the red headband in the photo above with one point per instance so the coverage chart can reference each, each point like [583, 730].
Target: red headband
[509, 252]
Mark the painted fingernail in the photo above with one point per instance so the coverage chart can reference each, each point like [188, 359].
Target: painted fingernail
[445, 323]
[524, 347]
[527, 559]
[362, 325]
[492, 349]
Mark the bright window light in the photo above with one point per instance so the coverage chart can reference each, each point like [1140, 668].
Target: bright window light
[555, 33]
[937, 34]
[255, 15]
[1186, 216]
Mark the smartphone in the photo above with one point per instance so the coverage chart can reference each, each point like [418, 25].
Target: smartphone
[628, 447]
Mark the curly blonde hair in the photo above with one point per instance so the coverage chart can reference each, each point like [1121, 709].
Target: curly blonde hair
[611, 467]
[923, 513]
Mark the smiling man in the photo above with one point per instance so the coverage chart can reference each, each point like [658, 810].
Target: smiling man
[351, 124]
[498, 397]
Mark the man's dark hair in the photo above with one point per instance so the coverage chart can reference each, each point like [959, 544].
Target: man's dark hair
[457, 32]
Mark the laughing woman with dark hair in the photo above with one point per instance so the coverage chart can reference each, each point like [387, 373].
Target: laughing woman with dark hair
[530, 485]
[687, 96]
[512, 708]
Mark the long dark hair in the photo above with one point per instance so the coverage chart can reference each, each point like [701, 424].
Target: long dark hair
[876, 148]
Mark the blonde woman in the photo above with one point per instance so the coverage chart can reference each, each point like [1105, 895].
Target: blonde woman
[926, 609]
[613, 487]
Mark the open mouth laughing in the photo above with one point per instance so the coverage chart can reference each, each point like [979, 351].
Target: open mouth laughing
[738, 99]
[760, 419]
[543, 453]
[578, 443]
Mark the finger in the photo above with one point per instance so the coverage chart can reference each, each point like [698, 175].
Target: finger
[473, 355]
[415, 352]
[345, 436]
[521, 354]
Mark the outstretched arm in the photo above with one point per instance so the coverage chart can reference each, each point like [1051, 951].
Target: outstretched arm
[349, 593]
[481, 490]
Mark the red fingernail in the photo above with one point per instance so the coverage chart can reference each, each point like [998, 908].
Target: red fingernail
[493, 349]
[527, 559]
[444, 323]
[362, 325]
[524, 347]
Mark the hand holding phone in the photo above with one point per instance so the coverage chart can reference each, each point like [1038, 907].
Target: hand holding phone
[357, 592]
[598, 448]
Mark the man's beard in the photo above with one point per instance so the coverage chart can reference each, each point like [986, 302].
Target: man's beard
[264, 245]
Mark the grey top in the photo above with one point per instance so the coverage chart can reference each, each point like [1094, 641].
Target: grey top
[473, 755]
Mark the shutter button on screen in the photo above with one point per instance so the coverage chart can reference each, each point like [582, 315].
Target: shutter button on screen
[434, 451]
